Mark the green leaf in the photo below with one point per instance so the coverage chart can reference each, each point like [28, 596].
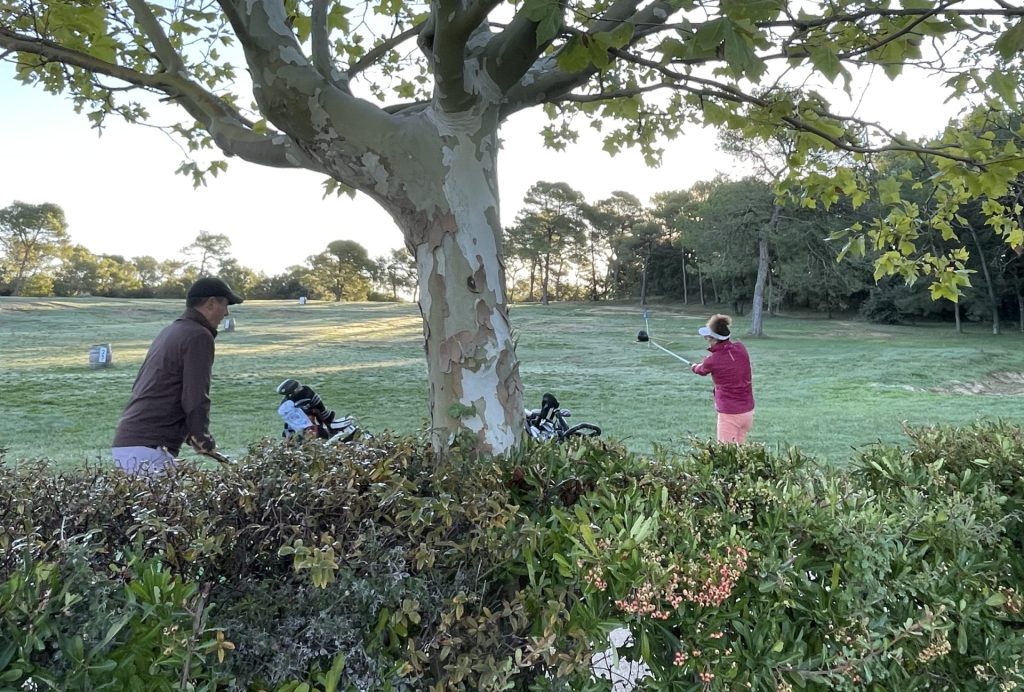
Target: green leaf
[710, 35]
[826, 61]
[1011, 42]
[588, 537]
[574, 57]
[739, 52]
[597, 53]
[889, 190]
[1004, 84]
[996, 599]
[6, 654]
[548, 29]
[11, 675]
[622, 35]
[564, 568]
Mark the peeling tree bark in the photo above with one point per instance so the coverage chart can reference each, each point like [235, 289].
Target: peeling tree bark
[472, 367]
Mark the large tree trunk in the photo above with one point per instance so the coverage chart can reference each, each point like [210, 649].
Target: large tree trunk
[757, 305]
[434, 170]
[448, 211]
[993, 302]
[19, 277]
[471, 360]
[545, 278]
[686, 291]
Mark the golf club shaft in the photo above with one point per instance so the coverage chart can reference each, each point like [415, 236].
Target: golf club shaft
[217, 456]
[674, 355]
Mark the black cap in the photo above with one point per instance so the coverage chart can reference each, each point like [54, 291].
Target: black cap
[212, 287]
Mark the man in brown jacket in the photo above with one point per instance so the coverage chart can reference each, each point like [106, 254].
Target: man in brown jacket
[170, 402]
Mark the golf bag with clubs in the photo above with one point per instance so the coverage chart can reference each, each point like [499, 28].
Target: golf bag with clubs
[548, 422]
[304, 413]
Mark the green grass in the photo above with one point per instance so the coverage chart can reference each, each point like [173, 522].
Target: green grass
[827, 386]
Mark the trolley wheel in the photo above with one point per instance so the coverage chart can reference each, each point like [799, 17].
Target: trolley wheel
[583, 430]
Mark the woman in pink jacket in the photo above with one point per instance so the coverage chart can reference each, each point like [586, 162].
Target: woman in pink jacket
[729, 367]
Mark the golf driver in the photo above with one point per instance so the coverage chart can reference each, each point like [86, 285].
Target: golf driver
[674, 355]
[644, 337]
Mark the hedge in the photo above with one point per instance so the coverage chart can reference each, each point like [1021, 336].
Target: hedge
[384, 567]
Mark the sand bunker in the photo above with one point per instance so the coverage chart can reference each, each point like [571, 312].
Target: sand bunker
[996, 384]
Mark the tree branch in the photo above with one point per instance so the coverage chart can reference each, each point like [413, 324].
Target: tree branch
[376, 52]
[512, 53]
[452, 29]
[803, 24]
[892, 37]
[53, 52]
[230, 131]
[165, 52]
[320, 39]
[544, 81]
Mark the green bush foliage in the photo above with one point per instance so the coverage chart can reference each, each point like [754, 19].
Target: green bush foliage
[384, 567]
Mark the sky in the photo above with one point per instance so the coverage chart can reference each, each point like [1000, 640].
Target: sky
[121, 195]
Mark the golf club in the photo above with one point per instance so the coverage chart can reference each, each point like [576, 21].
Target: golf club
[644, 337]
[674, 355]
[217, 456]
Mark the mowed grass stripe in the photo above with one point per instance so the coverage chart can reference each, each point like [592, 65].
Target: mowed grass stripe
[827, 386]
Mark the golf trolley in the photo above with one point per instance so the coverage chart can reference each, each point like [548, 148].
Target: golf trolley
[304, 413]
[548, 422]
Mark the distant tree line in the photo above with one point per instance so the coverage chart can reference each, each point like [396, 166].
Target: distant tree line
[37, 258]
[750, 244]
[707, 244]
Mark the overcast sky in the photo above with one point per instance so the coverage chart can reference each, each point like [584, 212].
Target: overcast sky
[121, 195]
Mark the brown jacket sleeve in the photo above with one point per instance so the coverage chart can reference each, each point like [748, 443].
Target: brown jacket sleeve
[197, 370]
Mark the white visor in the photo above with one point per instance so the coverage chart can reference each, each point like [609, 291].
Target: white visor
[705, 331]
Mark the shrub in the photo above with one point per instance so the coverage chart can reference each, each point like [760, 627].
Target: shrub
[887, 304]
[385, 567]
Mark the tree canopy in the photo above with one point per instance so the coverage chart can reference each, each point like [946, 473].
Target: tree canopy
[403, 101]
[30, 236]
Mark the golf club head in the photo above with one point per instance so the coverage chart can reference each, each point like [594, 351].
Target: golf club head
[217, 456]
[642, 336]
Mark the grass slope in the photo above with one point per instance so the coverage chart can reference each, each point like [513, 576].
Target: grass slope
[824, 385]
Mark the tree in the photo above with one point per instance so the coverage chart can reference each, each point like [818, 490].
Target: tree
[614, 220]
[241, 279]
[396, 271]
[423, 142]
[30, 236]
[78, 273]
[150, 276]
[729, 236]
[208, 249]
[291, 284]
[343, 269]
[551, 222]
[673, 210]
[770, 157]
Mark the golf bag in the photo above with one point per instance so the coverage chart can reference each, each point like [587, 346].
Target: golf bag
[304, 413]
[548, 422]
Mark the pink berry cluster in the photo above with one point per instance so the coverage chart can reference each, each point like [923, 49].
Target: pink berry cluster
[721, 577]
[646, 601]
[1014, 602]
[593, 576]
[708, 583]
